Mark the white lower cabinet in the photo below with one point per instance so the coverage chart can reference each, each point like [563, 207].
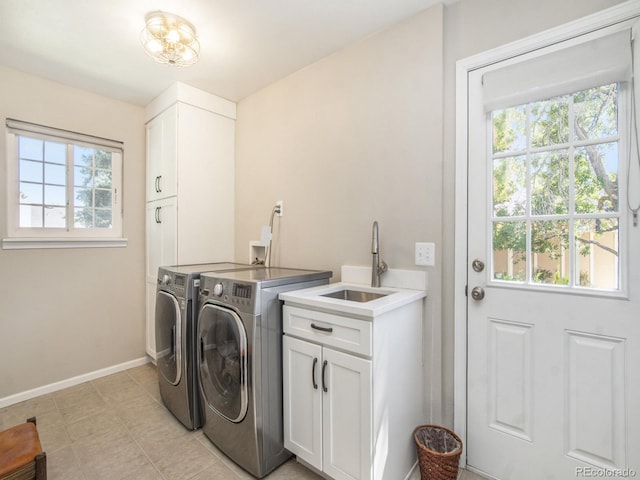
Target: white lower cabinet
[162, 249]
[353, 391]
[327, 408]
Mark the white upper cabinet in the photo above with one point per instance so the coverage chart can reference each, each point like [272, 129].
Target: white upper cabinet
[162, 155]
[190, 184]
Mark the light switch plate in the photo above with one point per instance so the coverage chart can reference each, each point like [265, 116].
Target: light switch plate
[425, 254]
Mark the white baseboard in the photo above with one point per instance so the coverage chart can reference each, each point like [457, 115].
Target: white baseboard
[70, 382]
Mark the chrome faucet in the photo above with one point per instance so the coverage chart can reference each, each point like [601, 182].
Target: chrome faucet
[378, 267]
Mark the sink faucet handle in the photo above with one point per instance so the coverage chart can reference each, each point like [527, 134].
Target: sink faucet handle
[382, 266]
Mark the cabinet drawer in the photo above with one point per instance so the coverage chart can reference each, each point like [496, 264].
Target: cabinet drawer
[345, 333]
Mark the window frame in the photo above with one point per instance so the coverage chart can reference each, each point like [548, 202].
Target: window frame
[69, 236]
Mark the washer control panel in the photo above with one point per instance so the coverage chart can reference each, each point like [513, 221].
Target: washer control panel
[233, 293]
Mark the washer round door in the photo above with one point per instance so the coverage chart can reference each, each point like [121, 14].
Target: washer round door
[168, 337]
[223, 361]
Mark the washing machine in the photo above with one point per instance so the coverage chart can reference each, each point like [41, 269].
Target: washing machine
[175, 321]
[240, 362]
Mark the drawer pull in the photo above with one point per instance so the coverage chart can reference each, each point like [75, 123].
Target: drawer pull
[322, 329]
[313, 373]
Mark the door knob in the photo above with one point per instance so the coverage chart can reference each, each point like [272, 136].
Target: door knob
[477, 293]
[478, 265]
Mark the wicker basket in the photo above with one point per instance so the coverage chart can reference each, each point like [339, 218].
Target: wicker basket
[439, 452]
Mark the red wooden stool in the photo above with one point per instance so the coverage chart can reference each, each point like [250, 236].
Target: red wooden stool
[21, 455]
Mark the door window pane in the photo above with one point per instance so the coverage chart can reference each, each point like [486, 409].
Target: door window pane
[597, 253]
[550, 246]
[596, 112]
[509, 251]
[549, 122]
[509, 129]
[509, 186]
[596, 171]
[550, 183]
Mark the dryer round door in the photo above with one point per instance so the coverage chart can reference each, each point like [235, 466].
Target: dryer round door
[168, 337]
[223, 361]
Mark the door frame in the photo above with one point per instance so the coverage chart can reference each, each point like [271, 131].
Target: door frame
[619, 13]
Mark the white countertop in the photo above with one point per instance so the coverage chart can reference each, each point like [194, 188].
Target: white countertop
[312, 297]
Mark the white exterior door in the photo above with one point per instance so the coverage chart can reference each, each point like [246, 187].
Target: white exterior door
[553, 379]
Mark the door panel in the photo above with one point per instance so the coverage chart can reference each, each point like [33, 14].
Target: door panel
[595, 400]
[510, 377]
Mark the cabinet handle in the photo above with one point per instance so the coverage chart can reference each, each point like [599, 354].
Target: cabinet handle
[324, 368]
[313, 373]
[322, 329]
[158, 189]
[158, 215]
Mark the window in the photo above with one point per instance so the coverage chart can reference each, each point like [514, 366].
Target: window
[556, 207]
[64, 188]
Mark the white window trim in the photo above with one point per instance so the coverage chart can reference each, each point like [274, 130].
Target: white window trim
[619, 13]
[31, 238]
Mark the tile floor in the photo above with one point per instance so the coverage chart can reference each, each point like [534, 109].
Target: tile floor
[116, 428]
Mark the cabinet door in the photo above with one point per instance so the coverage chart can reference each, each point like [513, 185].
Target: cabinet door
[205, 185]
[302, 368]
[161, 250]
[347, 409]
[162, 152]
[161, 236]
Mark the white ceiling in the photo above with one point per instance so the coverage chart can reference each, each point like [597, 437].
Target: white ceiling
[245, 44]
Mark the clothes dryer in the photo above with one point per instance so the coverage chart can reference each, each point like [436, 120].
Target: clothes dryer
[175, 321]
[240, 362]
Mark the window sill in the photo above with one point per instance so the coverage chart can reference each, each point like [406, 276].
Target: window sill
[33, 243]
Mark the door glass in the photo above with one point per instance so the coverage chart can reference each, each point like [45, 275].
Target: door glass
[555, 183]
[223, 362]
[167, 333]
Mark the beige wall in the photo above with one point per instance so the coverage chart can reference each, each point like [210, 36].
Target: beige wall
[471, 27]
[68, 312]
[354, 138]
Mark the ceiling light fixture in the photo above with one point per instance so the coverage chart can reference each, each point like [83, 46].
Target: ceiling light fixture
[170, 39]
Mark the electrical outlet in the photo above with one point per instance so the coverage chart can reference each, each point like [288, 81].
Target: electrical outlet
[280, 205]
[425, 254]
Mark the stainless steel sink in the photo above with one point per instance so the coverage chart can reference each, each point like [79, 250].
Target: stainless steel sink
[355, 295]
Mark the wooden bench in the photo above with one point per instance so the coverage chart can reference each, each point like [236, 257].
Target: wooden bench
[21, 455]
